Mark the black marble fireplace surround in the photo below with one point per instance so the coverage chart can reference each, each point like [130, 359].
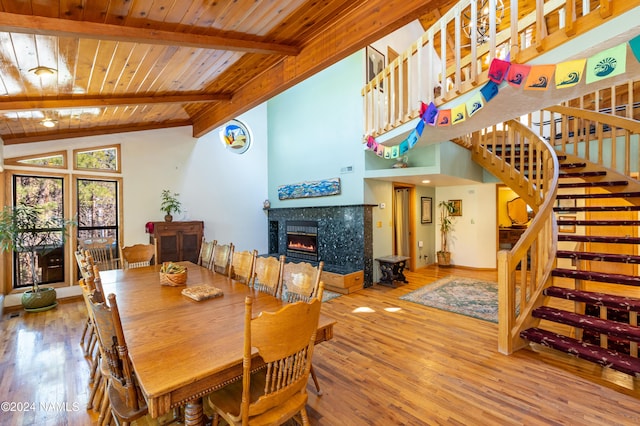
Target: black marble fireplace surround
[344, 240]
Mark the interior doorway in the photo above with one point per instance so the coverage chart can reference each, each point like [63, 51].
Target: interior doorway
[404, 208]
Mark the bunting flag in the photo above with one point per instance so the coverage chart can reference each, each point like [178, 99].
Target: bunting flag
[404, 147]
[517, 74]
[474, 104]
[412, 139]
[423, 108]
[458, 114]
[387, 153]
[539, 77]
[444, 117]
[569, 73]
[429, 116]
[498, 70]
[420, 127]
[607, 64]
[371, 142]
[395, 151]
[489, 91]
[380, 150]
[634, 43]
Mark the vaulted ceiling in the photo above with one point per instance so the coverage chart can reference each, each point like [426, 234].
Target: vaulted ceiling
[126, 65]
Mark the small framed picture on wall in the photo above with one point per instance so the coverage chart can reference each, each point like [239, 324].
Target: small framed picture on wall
[457, 207]
[425, 212]
[375, 64]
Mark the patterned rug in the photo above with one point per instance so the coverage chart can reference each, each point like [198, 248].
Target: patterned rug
[466, 296]
[329, 295]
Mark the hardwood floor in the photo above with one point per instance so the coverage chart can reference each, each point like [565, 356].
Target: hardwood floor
[391, 362]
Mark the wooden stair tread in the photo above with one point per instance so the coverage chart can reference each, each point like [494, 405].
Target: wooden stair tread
[620, 303]
[598, 209]
[597, 276]
[605, 357]
[593, 184]
[572, 165]
[602, 195]
[599, 239]
[602, 257]
[582, 174]
[599, 222]
[587, 322]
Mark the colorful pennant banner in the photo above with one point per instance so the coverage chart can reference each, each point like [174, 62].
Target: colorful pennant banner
[606, 64]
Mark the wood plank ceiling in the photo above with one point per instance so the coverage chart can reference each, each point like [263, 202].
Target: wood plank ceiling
[126, 65]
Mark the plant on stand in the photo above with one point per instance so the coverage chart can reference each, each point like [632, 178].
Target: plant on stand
[446, 226]
[170, 204]
[33, 231]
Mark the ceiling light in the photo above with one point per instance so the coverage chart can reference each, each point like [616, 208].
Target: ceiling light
[48, 123]
[41, 71]
[482, 21]
[426, 181]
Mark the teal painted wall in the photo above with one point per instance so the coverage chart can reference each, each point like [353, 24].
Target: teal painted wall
[315, 130]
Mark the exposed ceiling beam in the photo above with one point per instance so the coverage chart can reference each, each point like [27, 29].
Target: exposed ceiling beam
[367, 22]
[30, 24]
[90, 132]
[39, 104]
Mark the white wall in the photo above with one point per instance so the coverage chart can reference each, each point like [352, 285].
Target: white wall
[473, 242]
[227, 190]
[224, 189]
[381, 192]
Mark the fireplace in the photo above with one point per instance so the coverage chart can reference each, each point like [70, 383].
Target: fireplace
[302, 239]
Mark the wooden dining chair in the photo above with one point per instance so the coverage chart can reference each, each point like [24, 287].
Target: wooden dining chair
[98, 378]
[275, 394]
[205, 256]
[221, 258]
[101, 250]
[89, 338]
[241, 268]
[125, 397]
[84, 268]
[300, 282]
[138, 255]
[267, 275]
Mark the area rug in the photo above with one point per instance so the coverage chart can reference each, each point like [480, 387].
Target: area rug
[329, 295]
[466, 296]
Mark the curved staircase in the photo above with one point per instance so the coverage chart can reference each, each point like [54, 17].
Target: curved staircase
[581, 296]
[603, 326]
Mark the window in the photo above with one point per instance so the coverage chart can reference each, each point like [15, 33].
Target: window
[48, 192]
[97, 202]
[57, 160]
[104, 159]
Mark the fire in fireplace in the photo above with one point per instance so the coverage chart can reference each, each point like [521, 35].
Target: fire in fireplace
[302, 239]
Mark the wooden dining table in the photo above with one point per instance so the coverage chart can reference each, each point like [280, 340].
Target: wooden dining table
[182, 349]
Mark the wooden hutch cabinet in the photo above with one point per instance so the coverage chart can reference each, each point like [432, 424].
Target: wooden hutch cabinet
[178, 241]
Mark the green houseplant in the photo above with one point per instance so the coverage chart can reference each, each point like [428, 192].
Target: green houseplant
[170, 204]
[446, 227]
[33, 231]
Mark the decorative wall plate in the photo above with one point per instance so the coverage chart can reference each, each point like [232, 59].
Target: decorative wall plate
[236, 136]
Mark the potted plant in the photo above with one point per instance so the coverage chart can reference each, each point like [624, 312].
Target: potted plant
[33, 231]
[446, 226]
[170, 204]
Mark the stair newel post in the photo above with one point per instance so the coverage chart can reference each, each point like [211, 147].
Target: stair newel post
[506, 304]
